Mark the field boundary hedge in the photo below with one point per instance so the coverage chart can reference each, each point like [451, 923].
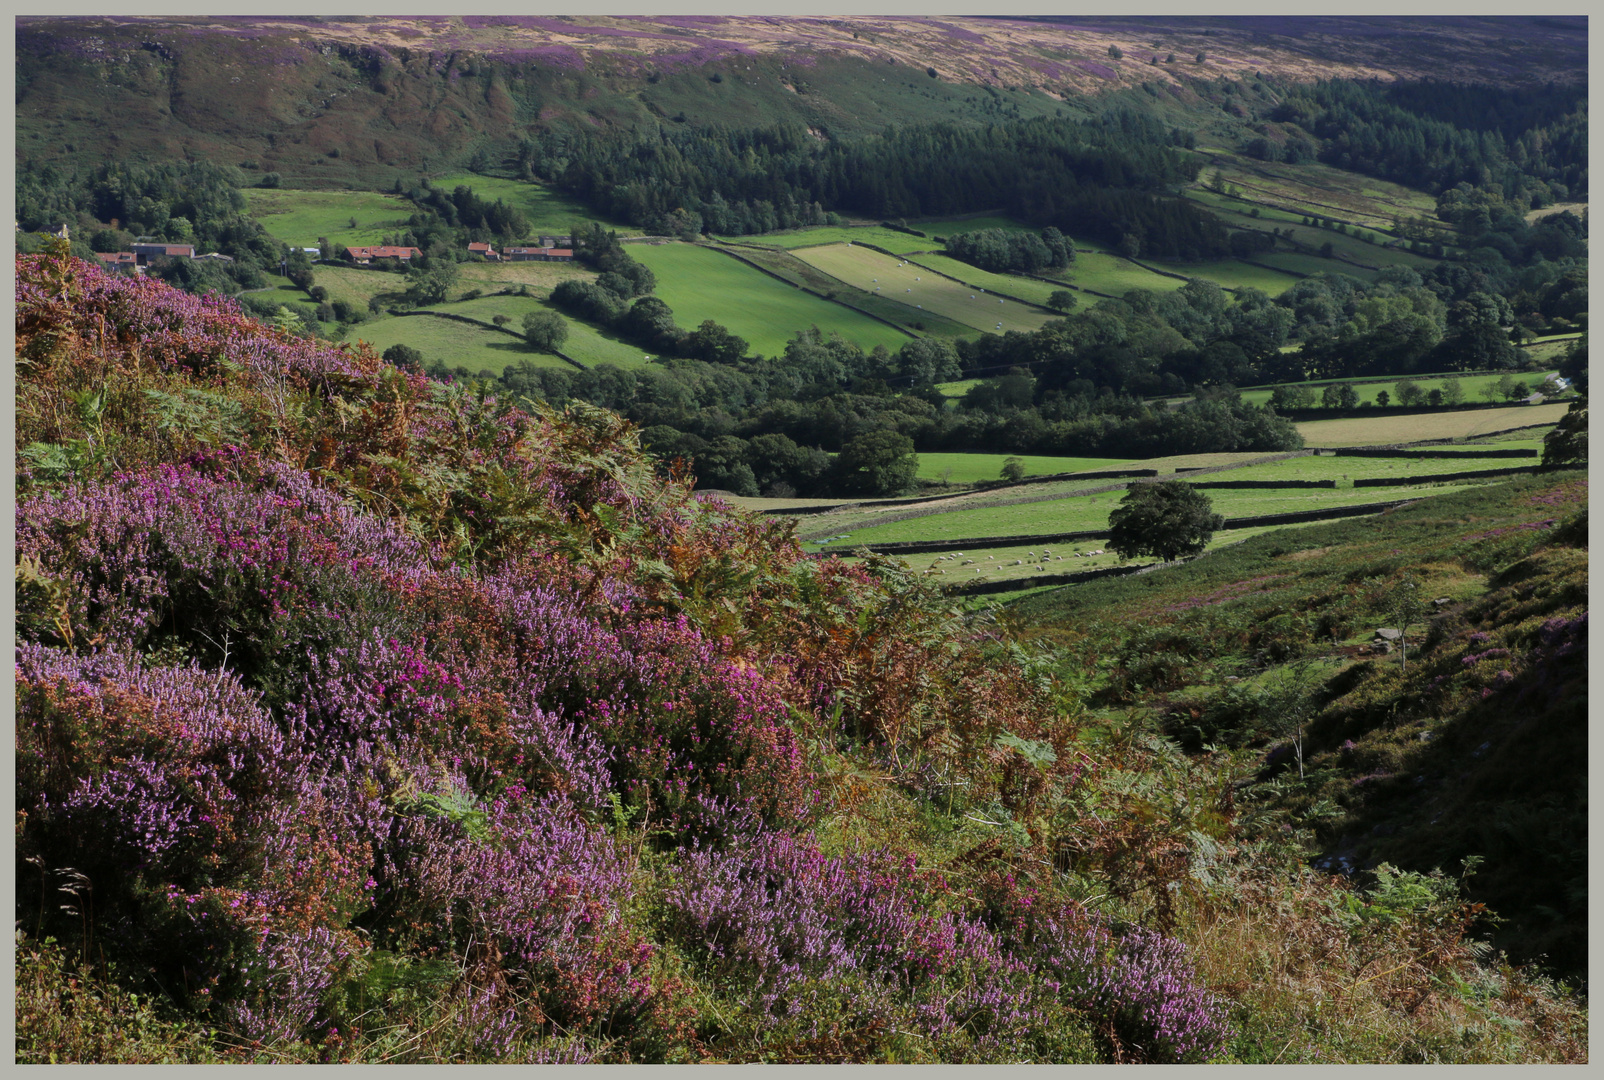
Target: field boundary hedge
[1266, 484]
[1376, 412]
[1381, 452]
[1469, 474]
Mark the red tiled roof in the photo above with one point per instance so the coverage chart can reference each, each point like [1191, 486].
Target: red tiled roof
[383, 251]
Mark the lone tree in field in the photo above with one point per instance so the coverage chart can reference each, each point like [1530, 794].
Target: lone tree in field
[1566, 445]
[545, 330]
[1166, 520]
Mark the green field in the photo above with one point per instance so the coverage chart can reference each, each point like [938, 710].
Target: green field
[890, 239]
[1112, 275]
[1413, 427]
[794, 270]
[356, 287]
[300, 217]
[456, 344]
[915, 286]
[1231, 274]
[1021, 288]
[700, 283]
[1088, 512]
[591, 346]
[585, 343]
[548, 211]
[959, 388]
[969, 468]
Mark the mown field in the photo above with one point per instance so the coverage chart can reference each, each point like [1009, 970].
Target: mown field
[299, 217]
[915, 286]
[1413, 427]
[969, 468]
[700, 283]
[1009, 285]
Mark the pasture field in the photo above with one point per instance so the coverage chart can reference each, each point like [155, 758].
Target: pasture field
[548, 211]
[1026, 562]
[1314, 188]
[1231, 274]
[958, 388]
[1413, 427]
[585, 343]
[1011, 285]
[797, 272]
[1549, 350]
[299, 217]
[493, 276]
[1112, 275]
[700, 283]
[456, 344]
[969, 468]
[1367, 386]
[913, 285]
[818, 235]
[890, 239]
[591, 346]
[355, 287]
[1087, 512]
[1238, 212]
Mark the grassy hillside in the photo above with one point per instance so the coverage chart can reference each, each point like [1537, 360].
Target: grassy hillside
[384, 94]
[1460, 755]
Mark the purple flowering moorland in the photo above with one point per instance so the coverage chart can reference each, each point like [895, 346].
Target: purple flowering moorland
[338, 687]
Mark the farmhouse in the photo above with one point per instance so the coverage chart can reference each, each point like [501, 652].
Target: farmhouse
[485, 250]
[143, 253]
[365, 255]
[541, 254]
